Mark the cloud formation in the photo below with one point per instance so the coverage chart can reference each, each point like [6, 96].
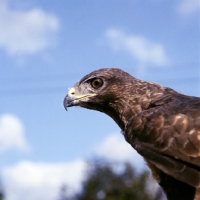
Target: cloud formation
[26, 32]
[12, 134]
[36, 181]
[139, 47]
[189, 7]
[39, 180]
[115, 148]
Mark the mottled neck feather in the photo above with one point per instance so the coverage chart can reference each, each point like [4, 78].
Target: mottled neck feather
[122, 109]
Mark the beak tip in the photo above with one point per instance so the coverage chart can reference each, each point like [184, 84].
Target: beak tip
[65, 103]
[68, 102]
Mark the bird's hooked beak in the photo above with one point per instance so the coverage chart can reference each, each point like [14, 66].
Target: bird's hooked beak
[70, 99]
[73, 98]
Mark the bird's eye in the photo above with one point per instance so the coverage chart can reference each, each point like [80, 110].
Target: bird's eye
[97, 83]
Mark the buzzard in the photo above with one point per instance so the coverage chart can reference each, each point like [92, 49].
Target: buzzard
[161, 124]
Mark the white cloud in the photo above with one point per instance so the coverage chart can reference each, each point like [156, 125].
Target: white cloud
[189, 7]
[141, 48]
[36, 181]
[12, 133]
[26, 32]
[115, 148]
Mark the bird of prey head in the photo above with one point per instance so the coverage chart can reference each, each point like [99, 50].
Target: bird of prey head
[109, 90]
[101, 90]
[160, 123]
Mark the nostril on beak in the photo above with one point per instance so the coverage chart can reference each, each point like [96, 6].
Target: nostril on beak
[71, 92]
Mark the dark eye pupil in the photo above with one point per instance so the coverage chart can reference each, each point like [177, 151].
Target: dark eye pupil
[97, 83]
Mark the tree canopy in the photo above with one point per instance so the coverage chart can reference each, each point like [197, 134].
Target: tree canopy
[108, 181]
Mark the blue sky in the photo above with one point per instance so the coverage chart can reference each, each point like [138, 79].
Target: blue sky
[47, 46]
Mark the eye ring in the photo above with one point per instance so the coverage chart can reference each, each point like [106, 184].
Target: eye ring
[96, 83]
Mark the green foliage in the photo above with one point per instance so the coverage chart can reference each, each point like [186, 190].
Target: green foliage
[111, 181]
[105, 181]
[2, 196]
